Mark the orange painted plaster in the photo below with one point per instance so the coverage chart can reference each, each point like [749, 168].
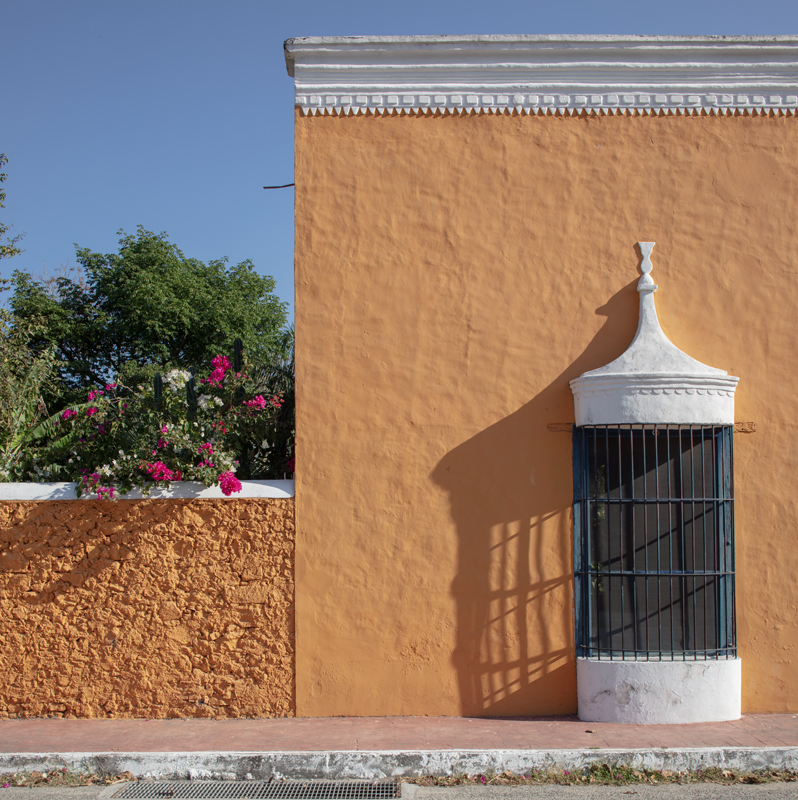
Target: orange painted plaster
[452, 275]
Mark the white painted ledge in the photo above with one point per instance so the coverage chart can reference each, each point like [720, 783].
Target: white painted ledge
[183, 490]
[659, 692]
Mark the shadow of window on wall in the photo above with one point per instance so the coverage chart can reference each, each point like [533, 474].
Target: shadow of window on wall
[510, 491]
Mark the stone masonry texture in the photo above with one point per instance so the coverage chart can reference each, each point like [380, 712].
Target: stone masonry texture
[152, 608]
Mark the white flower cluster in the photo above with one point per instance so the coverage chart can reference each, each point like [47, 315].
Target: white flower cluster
[205, 402]
[177, 379]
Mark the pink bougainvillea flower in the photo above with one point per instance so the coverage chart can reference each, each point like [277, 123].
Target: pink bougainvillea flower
[90, 412]
[164, 428]
[160, 472]
[68, 414]
[220, 365]
[256, 402]
[109, 386]
[207, 446]
[229, 483]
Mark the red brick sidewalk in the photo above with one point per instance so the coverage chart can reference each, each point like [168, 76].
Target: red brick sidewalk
[383, 733]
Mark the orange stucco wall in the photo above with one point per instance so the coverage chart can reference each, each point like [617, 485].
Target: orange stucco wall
[152, 608]
[452, 274]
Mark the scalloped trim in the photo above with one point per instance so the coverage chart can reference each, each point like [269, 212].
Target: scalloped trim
[336, 108]
[628, 391]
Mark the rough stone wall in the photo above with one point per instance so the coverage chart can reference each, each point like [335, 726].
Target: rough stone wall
[147, 608]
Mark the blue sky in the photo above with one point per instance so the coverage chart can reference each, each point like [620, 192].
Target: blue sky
[172, 114]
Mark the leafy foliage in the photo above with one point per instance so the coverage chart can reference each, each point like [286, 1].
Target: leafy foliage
[23, 376]
[275, 453]
[8, 245]
[148, 308]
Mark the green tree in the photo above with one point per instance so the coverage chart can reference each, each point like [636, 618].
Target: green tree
[8, 245]
[148, 308]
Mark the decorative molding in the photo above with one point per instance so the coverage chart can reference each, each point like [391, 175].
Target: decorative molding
[183, 490]
[566, 75]
[653, 382]
[661, 386]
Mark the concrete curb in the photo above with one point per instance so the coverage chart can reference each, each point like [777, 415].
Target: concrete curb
[340, 764]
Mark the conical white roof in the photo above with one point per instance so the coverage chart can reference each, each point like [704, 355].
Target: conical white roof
[653, 382]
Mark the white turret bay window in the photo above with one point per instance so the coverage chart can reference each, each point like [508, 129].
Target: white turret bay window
[654, 533]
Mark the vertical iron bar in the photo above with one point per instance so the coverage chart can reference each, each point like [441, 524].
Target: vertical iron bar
[731, 568]
[720, 469]
[659, 568]
[608, 571]
[718, 533]
[620, 533]
[645, 543]
[587, 534]
[593, 579]
[692, 639]
[670, 534]
[682, 549]
[704, 536]
[631, 517]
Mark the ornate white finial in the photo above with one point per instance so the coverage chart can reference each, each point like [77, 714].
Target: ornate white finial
[653, 382]
[646, 283]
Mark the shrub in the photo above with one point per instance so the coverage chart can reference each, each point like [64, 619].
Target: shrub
[124, 437]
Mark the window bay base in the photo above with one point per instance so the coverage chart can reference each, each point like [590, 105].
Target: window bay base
[659, 692]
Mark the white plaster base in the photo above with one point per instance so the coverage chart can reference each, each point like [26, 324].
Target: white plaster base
[658, 692]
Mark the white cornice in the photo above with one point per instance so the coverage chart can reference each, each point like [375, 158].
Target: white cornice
[544, 74]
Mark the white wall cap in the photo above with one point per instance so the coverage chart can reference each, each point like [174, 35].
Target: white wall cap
[183, 490]
[659, 692]
[653, 381]
[536, 74]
